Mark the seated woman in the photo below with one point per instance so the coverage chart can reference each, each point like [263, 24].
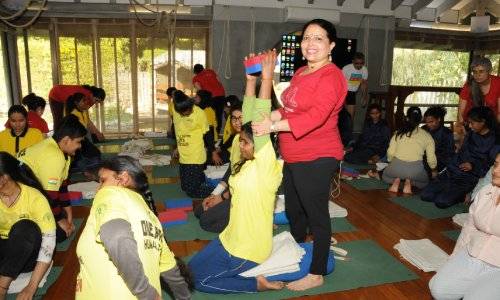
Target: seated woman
[36, 107]
[468, 165]
[443, 136]
[247, 239]
[372, 144]
[122, 250]
[27, 227]
[214, 210]
[19, 136]
[405, 154]
[87, 159]
[473, 270]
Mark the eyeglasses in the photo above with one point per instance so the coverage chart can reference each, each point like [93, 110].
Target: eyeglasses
[234, 119]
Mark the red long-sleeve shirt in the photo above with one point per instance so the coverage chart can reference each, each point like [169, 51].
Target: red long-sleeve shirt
[311, 105]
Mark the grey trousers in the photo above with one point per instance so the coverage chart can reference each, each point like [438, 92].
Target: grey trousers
[413, 170]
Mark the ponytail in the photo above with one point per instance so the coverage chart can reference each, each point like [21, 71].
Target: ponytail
[413, 119]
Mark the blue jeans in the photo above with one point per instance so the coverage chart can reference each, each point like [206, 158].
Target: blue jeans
[215, 270]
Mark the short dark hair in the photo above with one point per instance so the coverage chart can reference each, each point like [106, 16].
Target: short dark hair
[32, 101]
[483, 114]
[374, 106]
[232, 100]
[17, 109]
[96, 91]
[331, 32]
[236, 106]
[437, 112]
[198, 68]
[358, 55]
[70, 127]
[170, 91]
[182, 103]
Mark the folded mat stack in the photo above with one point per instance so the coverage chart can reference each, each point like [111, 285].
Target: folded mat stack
[423, 254]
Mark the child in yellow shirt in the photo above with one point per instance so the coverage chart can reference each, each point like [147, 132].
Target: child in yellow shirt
[19, 136]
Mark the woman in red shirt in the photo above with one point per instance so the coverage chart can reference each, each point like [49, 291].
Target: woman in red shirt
[59, 94]
[483, 89]
[310, 143]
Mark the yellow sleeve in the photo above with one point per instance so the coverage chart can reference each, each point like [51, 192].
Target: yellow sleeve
[167, 259]
[41, 212]
[392, 148]
[51, 175]
[108, 207]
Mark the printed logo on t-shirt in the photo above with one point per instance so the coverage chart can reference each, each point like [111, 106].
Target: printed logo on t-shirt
[355, 79]
[182, 140]
[288, 98]
[152, 234]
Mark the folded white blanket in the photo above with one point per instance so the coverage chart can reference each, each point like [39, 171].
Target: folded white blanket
[23, 279]
[423, 254]
[460, 219]
[381, 166]
[155, 134]
[155, 160]
[285, 258]
[88, 189]
[335, 210]
[216, 172]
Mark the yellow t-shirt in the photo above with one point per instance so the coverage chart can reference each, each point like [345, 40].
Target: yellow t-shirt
[249, 234]
[29, 138]
[228, 130]
[99, 278]
[189, 131]
[83, 117]
[413, 148]
[31, 205]
[48, 162]
[234, 151]
[212, 121]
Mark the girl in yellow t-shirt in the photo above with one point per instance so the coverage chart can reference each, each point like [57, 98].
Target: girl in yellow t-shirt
[27, 227]
[203, 99]
[122, 250]
[247, 239]
[19, 136]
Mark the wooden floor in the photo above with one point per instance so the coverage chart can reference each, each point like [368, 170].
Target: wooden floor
[374, 216]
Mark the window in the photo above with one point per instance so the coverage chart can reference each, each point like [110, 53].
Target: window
[495, 62]
[4, 98]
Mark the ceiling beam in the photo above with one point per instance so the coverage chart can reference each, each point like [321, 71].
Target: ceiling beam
[466, 10]
[419, 5]
[368, 3]
[446, 5]
[494, 9]
[340, 2]
[395, 4]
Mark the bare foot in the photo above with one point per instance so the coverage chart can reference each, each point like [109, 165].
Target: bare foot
[264, 285]
[305, 283]
[395, 186]
[407, 187]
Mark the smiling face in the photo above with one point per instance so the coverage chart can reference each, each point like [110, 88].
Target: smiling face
[246, 146]
[236, 118]
[315, 44]
[432, 123]
[375, 115]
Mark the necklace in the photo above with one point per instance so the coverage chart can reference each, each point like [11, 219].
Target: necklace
[12, 199]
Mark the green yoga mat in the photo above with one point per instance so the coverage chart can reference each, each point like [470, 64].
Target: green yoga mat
[370, 265]
[167, 191]
[41, 291]
[188, 232]
[427, 209]
[83, 202]
[338, 225]
[359, 167]
[165, 171]
[452, 234]
[365, 184]
[65, 245]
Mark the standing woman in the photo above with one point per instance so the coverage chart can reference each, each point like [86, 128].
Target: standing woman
[310, 143]
[122, 250]
[483, 89]
[59, 94]
[18, 135]
[27, 227]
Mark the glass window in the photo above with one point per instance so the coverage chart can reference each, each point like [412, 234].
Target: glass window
[4, 99]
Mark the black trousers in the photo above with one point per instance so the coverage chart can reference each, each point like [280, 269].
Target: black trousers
[18, 253]
[448, 189]
[218, 104]
[214, 219]
[359, 156]
[194, 181]
[307, 192]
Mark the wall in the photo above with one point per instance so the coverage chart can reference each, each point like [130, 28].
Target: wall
[269, 27]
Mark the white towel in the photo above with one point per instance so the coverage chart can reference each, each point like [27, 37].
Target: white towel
[285, 258]
[88, 189]
[335, 210]
[155, 160]
[155, 134]
[460, 219]
[381, 166]
[216, 172]
[23, 279]
[423, 254]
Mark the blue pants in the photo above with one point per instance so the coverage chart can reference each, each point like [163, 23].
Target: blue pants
[215, 270]
[448, 189]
